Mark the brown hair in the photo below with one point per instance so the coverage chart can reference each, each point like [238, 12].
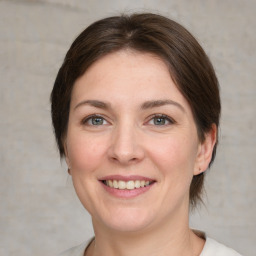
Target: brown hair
[189, 67]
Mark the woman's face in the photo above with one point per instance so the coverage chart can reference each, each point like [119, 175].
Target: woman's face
[132, 144]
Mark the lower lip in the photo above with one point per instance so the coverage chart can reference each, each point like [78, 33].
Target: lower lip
[127, 193]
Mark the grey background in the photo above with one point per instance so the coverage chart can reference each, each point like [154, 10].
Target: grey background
[40, 214]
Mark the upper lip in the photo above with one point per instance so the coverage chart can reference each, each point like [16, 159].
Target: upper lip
[126, 178]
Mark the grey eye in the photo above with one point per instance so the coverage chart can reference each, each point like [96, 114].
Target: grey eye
[94, 121]
[97, 121]
[160, 120]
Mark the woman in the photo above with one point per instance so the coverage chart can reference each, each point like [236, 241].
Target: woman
[135, 108]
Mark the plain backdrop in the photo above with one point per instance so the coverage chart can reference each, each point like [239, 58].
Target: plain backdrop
[39, 211]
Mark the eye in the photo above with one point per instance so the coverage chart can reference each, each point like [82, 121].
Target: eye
[161, 120]
[94, 120]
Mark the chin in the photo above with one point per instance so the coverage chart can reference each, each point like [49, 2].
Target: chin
[128, 220]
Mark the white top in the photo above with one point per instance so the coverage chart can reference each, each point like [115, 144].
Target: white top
[211, 248]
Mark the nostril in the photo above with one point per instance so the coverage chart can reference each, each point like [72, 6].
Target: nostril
[124, 159]
[125, 154]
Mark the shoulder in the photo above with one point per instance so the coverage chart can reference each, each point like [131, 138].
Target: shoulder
[211, 248]
[214, 248]
[76, 251]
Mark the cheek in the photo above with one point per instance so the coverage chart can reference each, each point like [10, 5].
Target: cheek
[175, 154]
[85, 153]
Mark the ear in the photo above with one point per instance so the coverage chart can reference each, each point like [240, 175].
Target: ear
[205, 149]
[67, 157]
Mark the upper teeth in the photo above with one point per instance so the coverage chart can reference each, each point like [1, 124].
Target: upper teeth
[120, 184]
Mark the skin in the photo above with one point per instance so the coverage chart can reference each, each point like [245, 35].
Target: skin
[129, 140]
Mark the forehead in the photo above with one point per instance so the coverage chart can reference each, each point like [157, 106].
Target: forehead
[125, 75]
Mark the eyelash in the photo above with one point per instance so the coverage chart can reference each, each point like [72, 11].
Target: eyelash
[162, 116]
[88, 118]
[152, 118]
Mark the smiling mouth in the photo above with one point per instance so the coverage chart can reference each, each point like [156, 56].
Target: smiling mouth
[131, 184]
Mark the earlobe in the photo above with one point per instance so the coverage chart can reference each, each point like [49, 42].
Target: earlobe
[68, 164]
[67, 158]
[205, 150]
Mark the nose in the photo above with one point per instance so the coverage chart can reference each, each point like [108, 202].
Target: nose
[126, 145]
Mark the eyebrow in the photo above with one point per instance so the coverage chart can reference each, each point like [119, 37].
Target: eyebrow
[159, 103]
[145, 105]
[94, 103]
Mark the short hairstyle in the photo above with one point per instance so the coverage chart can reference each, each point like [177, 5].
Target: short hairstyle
[188, 64]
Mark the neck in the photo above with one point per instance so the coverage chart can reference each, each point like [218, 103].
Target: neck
[171, 237]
